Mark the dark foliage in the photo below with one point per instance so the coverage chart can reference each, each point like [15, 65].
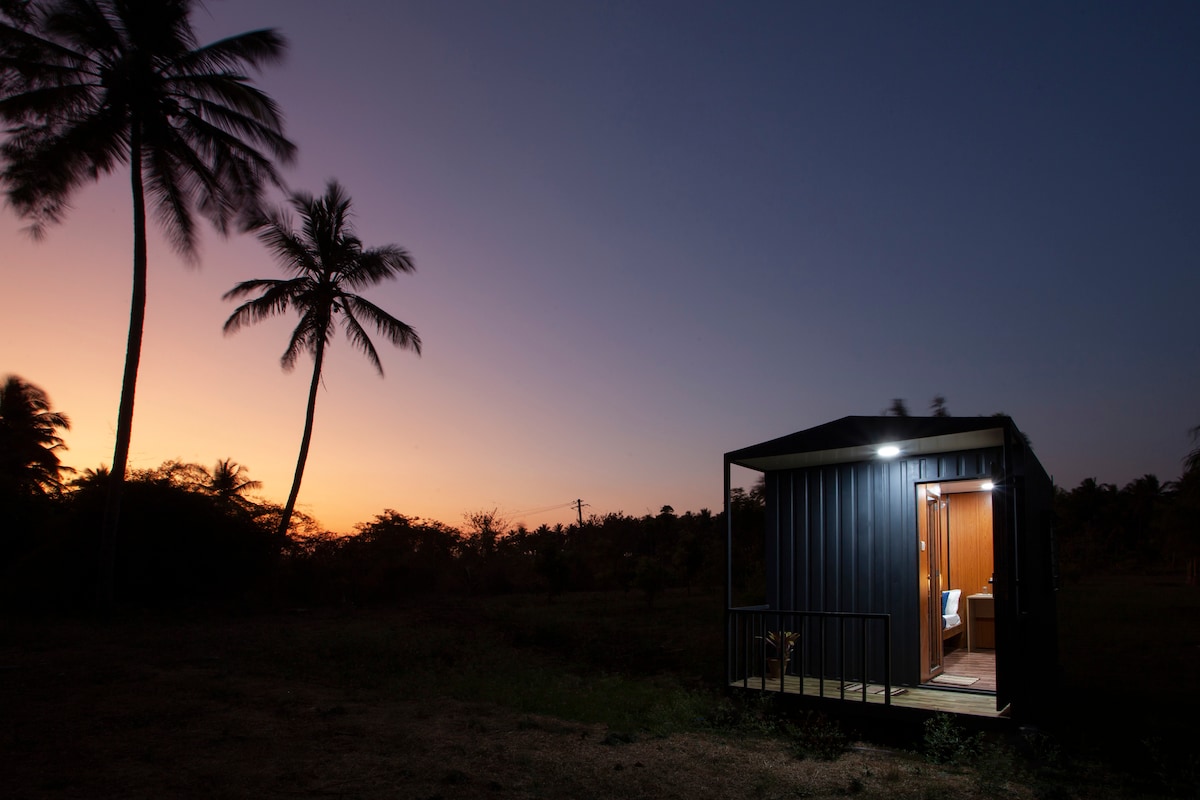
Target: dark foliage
[29, 441]
[179, 547]
[395, 557]
[1147, 525]
[191, 539]
[390, 558]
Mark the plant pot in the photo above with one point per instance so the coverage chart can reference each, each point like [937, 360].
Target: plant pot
[773, 669]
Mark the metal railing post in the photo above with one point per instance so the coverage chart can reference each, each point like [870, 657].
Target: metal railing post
[749, 636]
[863, 666]
[887, 660]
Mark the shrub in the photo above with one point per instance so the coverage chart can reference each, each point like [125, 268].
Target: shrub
[947, 742]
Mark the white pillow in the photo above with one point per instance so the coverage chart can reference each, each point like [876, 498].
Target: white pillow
[952, 602]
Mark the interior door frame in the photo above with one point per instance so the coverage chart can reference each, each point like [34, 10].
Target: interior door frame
[931, 524]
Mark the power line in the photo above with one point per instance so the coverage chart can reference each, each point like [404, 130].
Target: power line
[542, 510]
[576, 504]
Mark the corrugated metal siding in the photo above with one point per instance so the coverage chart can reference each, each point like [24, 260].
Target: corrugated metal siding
[1030, 651]
[843, 538]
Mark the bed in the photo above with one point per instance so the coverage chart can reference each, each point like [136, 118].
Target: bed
[952, 623]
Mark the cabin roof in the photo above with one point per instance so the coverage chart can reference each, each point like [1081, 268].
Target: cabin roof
[858, 439]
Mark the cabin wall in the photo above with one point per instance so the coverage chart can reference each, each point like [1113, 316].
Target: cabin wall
[843, 537]
[1033, 657]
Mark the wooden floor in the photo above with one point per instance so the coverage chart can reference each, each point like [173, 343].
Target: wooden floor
[924, 698]
[980, 665]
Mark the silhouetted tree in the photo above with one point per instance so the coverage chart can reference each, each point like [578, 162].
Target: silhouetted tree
[29, 440]
[327, 262]
[229, 480]
[91, 85]
[1085, 527]
[1191, 462]
[91, 478]
[478, 548]
[938, 407]
[392, 557]
[552, 561]
[1141, 506]
[748, 522]
[694, 546]
[179, 545]
[898, 408]
[609, 545]
[182, 546]
[180, 474]
[1182, 545]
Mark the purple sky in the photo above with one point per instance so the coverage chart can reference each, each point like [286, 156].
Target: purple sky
[648, 233]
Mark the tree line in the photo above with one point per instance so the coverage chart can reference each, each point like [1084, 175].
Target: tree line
[1145, 525]
[195, 535]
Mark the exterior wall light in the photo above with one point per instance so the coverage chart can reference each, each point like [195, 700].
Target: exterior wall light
[888, 451]
[988, 486]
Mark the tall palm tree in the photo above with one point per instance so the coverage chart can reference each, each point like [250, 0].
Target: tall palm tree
[29, 440]
[326, 262]
[88, 86]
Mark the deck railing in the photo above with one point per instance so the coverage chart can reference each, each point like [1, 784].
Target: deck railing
[822, 646]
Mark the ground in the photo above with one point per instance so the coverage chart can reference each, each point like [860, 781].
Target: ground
[272, 707]
[591, 696]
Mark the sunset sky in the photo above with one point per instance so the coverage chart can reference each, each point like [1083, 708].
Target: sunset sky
[647, 233]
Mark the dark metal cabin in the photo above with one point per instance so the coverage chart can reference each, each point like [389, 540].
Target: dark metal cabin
[862, 543]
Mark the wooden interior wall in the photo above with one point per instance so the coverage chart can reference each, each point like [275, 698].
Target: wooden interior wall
[970, 542]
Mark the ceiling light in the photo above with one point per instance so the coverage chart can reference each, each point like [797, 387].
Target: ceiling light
[888, 451]
[988, 486]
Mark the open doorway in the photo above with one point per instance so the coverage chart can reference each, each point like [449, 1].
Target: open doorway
[955, 563]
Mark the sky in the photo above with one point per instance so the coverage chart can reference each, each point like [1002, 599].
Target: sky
[648, 233]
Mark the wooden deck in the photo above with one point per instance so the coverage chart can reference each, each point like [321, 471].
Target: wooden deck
[923, 698]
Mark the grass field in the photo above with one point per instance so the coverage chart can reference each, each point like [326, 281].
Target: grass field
[1130, 649]
[593, 696]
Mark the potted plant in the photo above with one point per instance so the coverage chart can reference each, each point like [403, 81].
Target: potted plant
[782, 643]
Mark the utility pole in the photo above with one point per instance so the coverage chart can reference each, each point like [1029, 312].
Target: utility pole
[579, 504]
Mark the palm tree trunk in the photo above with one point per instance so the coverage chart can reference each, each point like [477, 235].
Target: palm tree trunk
[318, 358]
[106, 579]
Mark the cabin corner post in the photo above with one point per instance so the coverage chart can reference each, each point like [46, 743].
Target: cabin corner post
[729, 657]
[728, 539]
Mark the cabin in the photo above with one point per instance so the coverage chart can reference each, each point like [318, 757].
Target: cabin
[908, 563]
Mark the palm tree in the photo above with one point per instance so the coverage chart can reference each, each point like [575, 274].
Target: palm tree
[1191, 462]
[229, 480]
[29, 439]
[92, 479]
[15, 10]
[326, 262]
[88, 86]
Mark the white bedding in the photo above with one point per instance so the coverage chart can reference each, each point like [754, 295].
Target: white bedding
[950, 617]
